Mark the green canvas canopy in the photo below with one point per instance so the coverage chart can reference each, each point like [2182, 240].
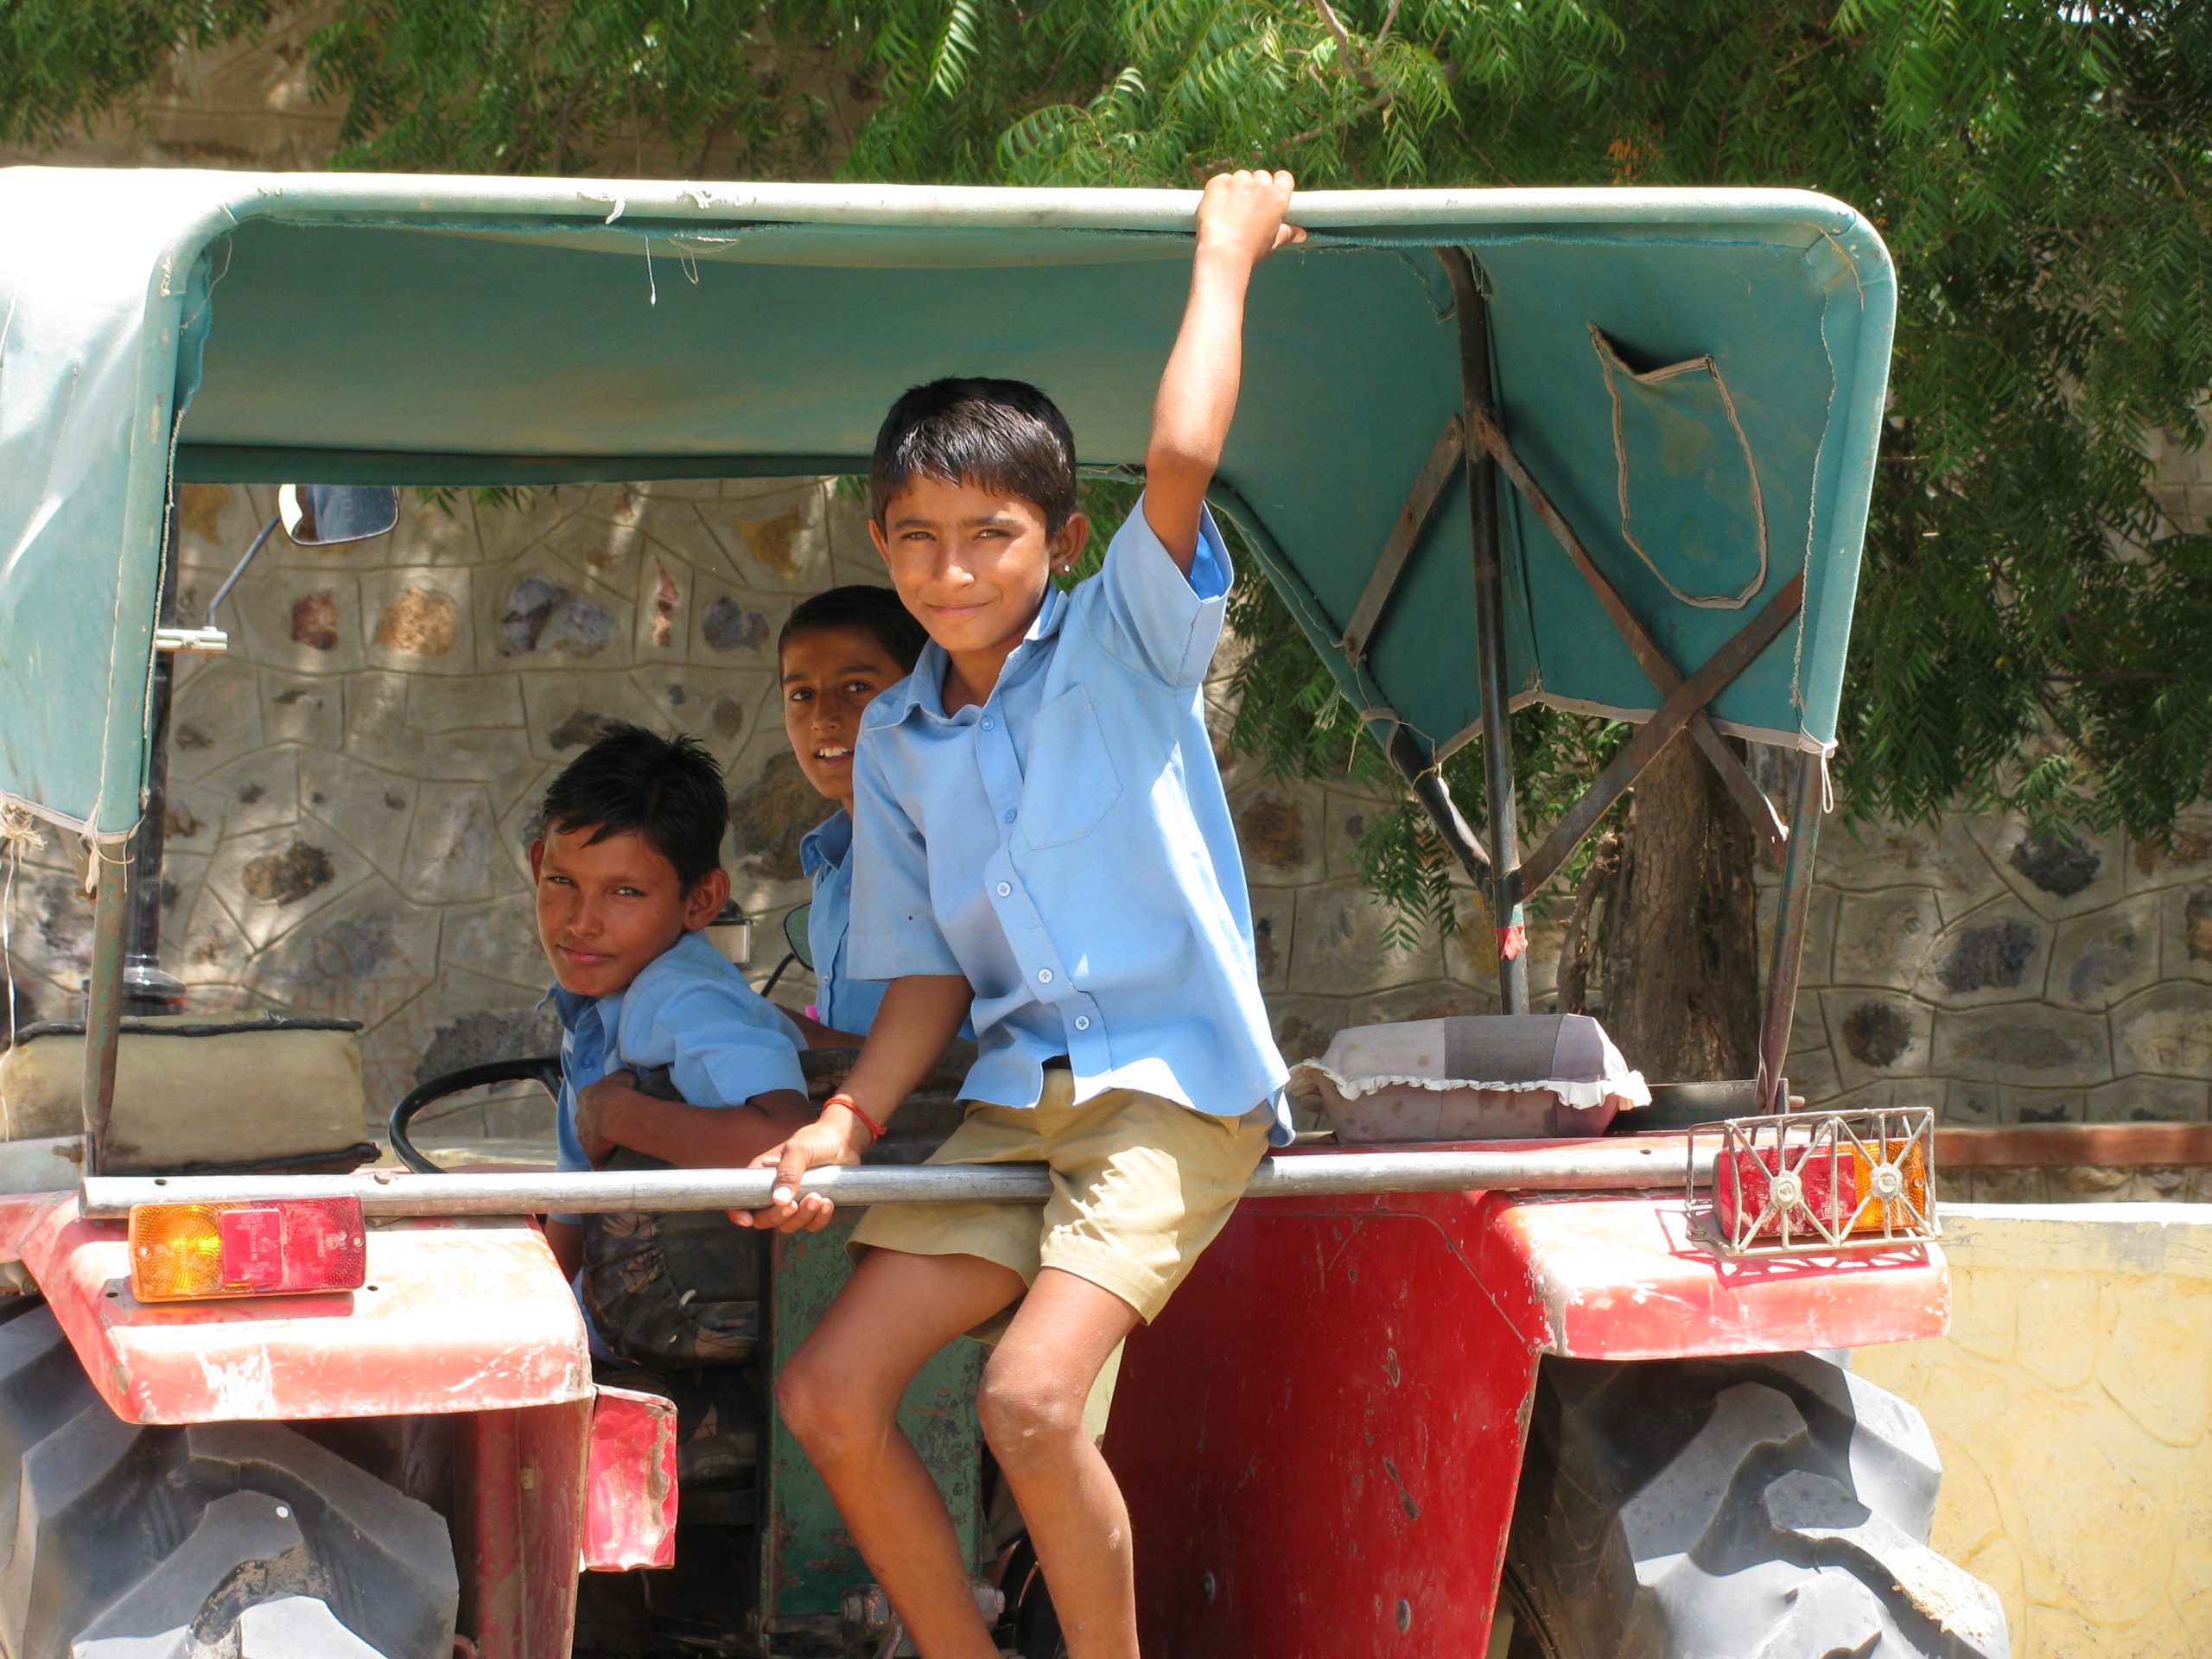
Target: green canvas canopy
[1694, 379]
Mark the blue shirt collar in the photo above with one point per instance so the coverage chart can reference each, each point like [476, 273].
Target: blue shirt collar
[924, 688]
[826, 844]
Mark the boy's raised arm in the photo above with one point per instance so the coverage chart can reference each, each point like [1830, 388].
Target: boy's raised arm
[1240, 223]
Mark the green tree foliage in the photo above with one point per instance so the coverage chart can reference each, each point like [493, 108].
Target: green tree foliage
[63, 63]
[2032, 627]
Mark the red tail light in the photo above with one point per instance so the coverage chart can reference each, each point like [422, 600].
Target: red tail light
[180, 1252]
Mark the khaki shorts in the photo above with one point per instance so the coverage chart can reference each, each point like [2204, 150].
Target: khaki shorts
[1139, 1186]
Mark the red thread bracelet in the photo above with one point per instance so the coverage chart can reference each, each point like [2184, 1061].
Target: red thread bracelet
[876, 1131]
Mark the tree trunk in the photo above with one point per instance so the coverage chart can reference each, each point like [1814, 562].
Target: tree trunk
[1664, 940]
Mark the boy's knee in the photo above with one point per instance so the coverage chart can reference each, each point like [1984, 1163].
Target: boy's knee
[1027, 1414]
[823, 1407]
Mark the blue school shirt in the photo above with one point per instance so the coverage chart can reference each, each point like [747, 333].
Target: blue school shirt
[1067, 848]
[689, 1010]
[841, 1002]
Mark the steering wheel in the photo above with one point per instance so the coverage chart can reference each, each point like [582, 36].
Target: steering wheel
[544, 1070]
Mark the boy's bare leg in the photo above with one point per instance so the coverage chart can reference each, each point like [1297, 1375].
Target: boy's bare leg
[1034, 1389]
[840, 1396]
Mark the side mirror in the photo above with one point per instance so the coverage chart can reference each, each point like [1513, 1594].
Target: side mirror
[323, 515]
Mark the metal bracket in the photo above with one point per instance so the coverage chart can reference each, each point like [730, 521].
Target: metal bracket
[210, 642]
[1436, 472]
[1683, 705]
[1654, 661]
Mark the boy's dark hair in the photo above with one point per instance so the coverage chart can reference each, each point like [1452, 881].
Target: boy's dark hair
[667, 789]
[860, 607]
[1000, 435]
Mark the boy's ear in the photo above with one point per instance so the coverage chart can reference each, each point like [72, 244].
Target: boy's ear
[1067, 546]
[537, 857]
[705, 900]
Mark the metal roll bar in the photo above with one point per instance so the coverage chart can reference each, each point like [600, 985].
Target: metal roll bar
[1610, 1167]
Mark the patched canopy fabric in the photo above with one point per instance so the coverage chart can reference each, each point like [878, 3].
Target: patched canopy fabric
[1696, 378]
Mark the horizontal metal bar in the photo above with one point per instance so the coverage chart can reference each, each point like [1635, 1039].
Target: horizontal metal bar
[1599, 1167]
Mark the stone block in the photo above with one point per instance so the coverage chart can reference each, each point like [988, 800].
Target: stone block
[305, 622]
[2184, 858]
[1442, 999]
[2088, 1183]
[1345, 816]
[277, 879]
[1340, 949]
[539, 616]
[214, 718]
[2147, 1100]
[262, 790]
[498, 941]
[368, 808]
[183, 874]
[460, 1020]
[784, 547]
[566, 712]
[2031, 1106]
[1998, 953]
[2166, 1030]
[771, 812]
[453, 846]
[441, 531]
[1875, 1035]
[364, 957]
[604, 538]
[378, 731]
[211, 949]
[506, 530]
[2030, 1045]
[2185, 930]
[476, 703]
[1279, 831]
[419, 620]
[1881, 938]
[524, 822]
[2057, 874]
[193, 818]
[1947, 857]
[661, 624]
[1305, 1026]
[736, 626]
[1274, 916]
[300, 709]
[2100, 959]
[1972, 1105]
[2008, 1187]
[722, 708]
[1812, 1074]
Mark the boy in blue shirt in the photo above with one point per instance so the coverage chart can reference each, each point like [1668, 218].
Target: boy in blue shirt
[628, 873]
[1041, 833]
[838, 651]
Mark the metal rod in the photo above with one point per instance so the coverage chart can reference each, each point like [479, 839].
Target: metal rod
[1628, 763]
[147, 989]
[104, 1000]
[1447, 456]
[1657, 667]
[1473, 313]
[1793, 915]
[239, 569]
[1412, 759]
[1599, 1167]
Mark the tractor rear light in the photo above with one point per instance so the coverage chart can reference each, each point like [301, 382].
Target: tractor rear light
[1822, 1180]
[181, 1252]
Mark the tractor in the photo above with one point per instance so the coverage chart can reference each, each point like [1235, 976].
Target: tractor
[1564, 1397]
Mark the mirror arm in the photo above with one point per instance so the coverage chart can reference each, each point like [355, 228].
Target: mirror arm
[231, 581]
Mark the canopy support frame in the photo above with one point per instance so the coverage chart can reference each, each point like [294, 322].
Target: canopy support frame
[104, 998]
[1655, 663]
[1673, 715]
[1448, 453]
[1793, 915]
[1471, 311]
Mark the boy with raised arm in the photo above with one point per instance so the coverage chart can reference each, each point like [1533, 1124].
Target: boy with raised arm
[1040, 831]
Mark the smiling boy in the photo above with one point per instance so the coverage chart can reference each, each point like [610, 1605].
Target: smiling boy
[628, 873]
[1041, 835]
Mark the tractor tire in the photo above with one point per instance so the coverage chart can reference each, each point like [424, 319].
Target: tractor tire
[131, 1541]
[1773, 1507]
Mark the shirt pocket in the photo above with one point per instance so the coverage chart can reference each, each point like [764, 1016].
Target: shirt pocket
[1069, 784]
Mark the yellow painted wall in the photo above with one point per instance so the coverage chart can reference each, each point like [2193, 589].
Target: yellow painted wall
[2070, 1404]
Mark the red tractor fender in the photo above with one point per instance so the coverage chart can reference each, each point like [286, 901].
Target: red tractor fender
[1358, 1372]
[458, 1316]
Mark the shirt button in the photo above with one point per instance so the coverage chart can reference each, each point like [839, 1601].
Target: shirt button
[1004, 889]
[1010, 816]
[1044, 976]
[987, 724]
[1082, 1022]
